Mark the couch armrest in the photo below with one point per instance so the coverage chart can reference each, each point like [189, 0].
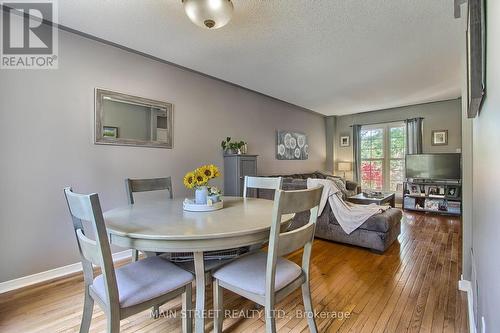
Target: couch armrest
[350, 185]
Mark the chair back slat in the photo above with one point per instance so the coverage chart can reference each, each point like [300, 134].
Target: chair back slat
[299, 200]
[88, 248]
[296, 239]
[268, 183]
[79, 207]
[147, 185]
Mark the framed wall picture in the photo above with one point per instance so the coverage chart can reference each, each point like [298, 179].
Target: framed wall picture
[110, 132]
[344, 141]
[439, 137]
[291, 146]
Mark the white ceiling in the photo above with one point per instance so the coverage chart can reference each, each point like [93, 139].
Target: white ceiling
[331, 56]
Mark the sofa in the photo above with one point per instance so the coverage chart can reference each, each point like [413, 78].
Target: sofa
[376, 234]
[348, 188]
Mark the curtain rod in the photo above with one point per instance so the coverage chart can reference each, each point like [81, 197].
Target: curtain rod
[387, 122]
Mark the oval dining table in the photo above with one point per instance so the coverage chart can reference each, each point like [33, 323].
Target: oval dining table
[163, 226]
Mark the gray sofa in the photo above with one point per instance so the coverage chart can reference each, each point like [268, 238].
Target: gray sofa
[377, 233]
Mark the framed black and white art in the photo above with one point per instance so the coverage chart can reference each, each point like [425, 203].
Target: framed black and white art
[291, 146]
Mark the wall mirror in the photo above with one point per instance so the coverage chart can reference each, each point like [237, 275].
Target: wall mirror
[126, 120]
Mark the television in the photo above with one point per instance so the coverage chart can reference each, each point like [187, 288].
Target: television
[433, 166]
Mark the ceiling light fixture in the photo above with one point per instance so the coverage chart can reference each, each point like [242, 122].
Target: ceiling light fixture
[210, 14]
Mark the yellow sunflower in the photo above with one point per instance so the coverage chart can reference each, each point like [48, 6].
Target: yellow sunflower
[190, 180]
[215, 170]
[206, 170]
[201, 178]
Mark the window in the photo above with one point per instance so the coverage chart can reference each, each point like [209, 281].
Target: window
[383, 149]
[372, 158]
[397, 137]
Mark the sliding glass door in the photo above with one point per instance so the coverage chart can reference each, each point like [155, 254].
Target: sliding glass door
[383, 156]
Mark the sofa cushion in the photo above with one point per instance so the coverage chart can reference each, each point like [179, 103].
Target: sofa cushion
[292, 184]
[377, 241]
[382, 222]
[289, 184]
[351, 186]
[341, 185]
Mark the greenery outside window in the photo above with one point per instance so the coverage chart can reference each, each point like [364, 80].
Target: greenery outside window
[383, 149]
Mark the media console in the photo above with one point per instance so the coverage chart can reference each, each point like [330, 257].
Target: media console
[433, 195]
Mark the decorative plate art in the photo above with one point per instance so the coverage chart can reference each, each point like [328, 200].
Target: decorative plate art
[292, 146]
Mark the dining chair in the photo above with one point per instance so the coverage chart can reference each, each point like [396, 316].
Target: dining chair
[268, 183]
[261, 183]
[146, 185]
[126, 290]
[267, 278]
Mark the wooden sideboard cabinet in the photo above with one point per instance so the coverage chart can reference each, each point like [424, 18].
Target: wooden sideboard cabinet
[236, 167]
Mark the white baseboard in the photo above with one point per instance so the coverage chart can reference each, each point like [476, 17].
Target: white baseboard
[53, 274]
[466, 285]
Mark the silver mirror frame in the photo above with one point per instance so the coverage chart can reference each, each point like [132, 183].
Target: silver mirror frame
[99, 139]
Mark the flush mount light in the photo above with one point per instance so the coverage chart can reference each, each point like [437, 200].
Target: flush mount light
[210, 14]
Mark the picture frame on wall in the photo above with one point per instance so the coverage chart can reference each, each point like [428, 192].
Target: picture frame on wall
[291, 145]
[345, 141]
[439, 137]
[110, 132]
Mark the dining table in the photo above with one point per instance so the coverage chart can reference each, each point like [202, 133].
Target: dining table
[163, 226]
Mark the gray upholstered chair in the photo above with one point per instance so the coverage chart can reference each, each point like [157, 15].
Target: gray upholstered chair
[147, 185]
[267, 278]
[126, 290]
[267, 183]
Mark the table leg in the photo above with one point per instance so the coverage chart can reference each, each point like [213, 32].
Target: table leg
[199, 268]
[393, 201]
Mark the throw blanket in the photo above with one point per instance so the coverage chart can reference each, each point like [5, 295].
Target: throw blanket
[349, 216]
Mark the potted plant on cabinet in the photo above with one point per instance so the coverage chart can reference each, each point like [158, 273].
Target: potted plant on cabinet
[234, 147]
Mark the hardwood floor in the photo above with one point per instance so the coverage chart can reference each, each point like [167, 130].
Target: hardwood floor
[412, 287]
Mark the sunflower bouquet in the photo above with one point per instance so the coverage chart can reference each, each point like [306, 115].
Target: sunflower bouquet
[198, 179]
[201, 176]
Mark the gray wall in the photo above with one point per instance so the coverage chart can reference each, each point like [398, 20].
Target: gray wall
[46, 141]
[438, 115]
[486, 181]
